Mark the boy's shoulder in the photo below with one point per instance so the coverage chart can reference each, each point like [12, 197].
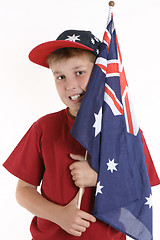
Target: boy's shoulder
[52, 124]
[52, 117]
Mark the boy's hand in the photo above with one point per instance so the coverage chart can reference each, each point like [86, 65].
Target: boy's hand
[73, 220]
[82, 174]
[68, 217]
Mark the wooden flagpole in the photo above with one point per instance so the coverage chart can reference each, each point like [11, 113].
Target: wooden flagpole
[81, 190]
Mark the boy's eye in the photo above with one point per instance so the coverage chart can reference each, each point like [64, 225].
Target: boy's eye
[61, 77]
[79, 73]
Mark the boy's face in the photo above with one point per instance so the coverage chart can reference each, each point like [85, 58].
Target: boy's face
[71, 78]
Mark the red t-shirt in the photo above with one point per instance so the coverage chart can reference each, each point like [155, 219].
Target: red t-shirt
[43, 156]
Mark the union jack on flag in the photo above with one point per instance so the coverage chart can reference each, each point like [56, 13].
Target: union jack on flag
[106, 126]
[113, 68]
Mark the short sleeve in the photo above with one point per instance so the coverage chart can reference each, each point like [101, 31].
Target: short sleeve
[153, 177]
[26, 162]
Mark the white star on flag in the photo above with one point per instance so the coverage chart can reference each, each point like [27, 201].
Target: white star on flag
[98, 189]
[112, 165]
[149, 201]
[98, 122]
[73, 38]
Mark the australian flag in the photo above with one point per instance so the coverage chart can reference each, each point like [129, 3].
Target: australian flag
[107, 128]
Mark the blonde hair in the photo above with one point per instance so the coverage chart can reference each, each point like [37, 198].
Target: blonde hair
[66, 53]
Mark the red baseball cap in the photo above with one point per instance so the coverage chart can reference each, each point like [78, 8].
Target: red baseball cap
[67, 39]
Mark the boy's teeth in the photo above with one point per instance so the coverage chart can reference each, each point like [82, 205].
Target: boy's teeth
[75, 97]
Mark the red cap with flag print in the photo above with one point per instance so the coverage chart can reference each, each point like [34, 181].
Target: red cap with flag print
[67, 39]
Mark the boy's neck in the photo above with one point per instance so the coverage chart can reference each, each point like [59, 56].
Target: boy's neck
[70, 115]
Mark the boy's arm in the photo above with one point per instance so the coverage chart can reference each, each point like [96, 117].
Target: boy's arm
[68, 217]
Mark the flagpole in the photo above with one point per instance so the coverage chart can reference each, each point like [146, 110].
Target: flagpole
[111, 5]
[81, 190]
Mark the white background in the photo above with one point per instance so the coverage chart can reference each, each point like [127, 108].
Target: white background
[27, 91]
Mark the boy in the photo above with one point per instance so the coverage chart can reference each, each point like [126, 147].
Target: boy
[49, 154]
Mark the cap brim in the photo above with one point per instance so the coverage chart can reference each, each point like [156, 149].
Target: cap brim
[40, 53]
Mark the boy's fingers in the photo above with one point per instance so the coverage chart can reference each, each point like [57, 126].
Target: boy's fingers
[80, 228]
[77, 157]
[88, 217]
[71, 167]
[75, 233]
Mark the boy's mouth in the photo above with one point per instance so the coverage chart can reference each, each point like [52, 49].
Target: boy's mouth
[76, 97]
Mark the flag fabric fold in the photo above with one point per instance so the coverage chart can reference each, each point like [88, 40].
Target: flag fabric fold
[106, 126]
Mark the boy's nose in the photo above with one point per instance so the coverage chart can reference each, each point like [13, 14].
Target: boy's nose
[70, 83]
